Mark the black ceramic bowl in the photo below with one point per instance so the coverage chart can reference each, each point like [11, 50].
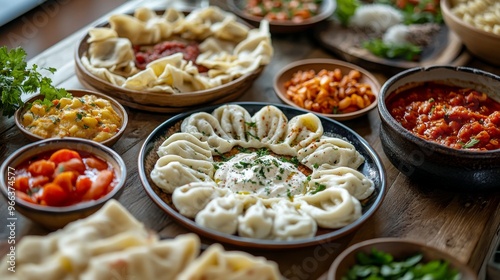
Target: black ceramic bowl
[431, 163]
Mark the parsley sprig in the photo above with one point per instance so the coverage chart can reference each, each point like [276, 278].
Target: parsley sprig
[17, 78]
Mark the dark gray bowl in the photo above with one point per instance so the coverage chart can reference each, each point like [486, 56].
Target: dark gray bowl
[432, 163]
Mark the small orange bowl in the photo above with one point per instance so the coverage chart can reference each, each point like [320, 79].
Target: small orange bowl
[53, 217]
[318, 64]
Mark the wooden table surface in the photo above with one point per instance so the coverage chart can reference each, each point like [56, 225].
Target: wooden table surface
[463, 224]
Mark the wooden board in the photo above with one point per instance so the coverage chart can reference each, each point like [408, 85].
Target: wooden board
[446, 49]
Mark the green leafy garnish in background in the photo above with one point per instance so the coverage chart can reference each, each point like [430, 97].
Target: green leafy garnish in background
[408, 52]
[345, 10]
[17, 78]
[380, 265]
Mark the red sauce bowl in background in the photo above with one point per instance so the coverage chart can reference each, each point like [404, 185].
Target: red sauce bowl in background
[425, 160]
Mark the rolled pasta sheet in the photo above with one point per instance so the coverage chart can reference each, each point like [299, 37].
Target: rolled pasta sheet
[256, 222]
[217, 264]
[303, 130]
[191, 198]
[235, 121]
[160, 260]
[221, 214]
[205, 127]
[346, 178]
[186, 146]
[290, 224]
[331, 151]
[331, 208]
[173, 171]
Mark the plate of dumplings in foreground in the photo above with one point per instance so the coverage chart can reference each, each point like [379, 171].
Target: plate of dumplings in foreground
[262, 175]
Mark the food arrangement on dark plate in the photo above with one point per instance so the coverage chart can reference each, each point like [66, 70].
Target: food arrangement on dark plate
[179, 162]
[273, 178]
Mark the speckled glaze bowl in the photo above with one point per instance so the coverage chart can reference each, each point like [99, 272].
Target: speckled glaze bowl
[431, 163]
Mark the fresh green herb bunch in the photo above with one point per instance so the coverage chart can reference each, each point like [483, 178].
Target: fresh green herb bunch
[17, 78]
[378, 265]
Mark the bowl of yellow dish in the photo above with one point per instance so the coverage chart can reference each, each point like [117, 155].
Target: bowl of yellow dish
[86, 114]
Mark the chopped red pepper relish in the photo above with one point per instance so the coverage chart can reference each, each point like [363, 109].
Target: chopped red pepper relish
[460, 118]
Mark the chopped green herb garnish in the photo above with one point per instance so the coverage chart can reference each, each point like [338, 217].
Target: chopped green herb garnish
[251, 124]
[319, 187]
[471, 143]
[380, 265]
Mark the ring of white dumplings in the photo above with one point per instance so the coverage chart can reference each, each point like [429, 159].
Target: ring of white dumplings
[228, 48]
[186, 169]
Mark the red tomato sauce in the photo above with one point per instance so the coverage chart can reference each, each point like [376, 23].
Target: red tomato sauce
[63, 177]
[144, 55]
[459, 118]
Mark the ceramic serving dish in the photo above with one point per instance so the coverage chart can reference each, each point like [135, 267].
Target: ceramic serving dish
[53, 217]
[429, 162]
[76, 93]
[318, 64]
[400, 249]
[481, 43]
[284, 26]
[157, 101]
[372, 168]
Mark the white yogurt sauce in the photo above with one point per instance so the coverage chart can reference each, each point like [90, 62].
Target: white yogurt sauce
[265, 176]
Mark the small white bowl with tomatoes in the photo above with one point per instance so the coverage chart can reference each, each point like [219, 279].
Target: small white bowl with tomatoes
[56, 181]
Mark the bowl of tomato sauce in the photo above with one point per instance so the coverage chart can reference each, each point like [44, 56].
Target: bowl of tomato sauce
[56, 181]
[441, 125]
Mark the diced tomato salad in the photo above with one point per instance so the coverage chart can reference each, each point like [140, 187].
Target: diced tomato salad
[64, 177]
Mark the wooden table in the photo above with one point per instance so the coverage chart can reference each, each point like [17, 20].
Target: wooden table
[465, 225]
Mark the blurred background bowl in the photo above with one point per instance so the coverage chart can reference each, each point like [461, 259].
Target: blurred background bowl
[427, 161]
[481, 43]
[284, 26]
[52, 217]
[318, 64]
[18, 116]
[400, 249]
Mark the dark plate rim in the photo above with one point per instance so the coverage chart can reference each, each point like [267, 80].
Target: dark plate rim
[260, 243]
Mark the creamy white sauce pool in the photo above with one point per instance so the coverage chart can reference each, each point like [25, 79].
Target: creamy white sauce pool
[265, 176]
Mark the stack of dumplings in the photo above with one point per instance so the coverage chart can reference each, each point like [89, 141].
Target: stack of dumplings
[229, 50]
[241, 174]
[112, 244]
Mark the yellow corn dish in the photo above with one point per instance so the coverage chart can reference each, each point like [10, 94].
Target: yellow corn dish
[88, 117]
